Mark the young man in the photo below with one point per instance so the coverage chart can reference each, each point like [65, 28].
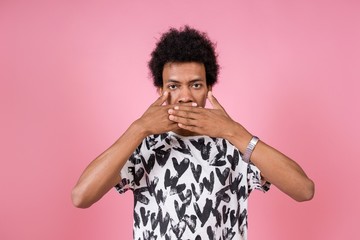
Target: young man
[191, 168]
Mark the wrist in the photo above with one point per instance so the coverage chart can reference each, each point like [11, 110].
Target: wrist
[250, 148]
[139, 129]
[239, 136]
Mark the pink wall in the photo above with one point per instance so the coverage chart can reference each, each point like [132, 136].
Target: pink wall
[73, 76]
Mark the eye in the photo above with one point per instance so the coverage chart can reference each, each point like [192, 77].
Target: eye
[197, 85]
[172, 86]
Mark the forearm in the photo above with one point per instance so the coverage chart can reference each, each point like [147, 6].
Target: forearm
[103, 173]
[283, 172]
[275, 167]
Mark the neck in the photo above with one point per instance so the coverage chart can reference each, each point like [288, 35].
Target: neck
[185, 133]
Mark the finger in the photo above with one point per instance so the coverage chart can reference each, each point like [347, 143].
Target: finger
[189, 128]
[214, 102]
[182, 120]
[183, 114]
[188, 104]
[187, 108]
[160, 101]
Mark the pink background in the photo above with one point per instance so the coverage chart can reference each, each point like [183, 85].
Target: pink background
[74, 76]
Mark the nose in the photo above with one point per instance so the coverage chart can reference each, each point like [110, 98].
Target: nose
[185, 96]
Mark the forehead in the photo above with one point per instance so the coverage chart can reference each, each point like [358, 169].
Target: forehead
[187, 71]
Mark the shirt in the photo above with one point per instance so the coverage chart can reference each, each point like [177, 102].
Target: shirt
[193, 187]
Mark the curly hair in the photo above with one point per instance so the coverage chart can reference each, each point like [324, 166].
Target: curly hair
[184, 45]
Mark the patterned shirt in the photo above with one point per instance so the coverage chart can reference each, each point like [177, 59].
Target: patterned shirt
[193, 187]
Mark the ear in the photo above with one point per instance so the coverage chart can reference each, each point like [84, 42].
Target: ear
[209, 88]
[160, 90]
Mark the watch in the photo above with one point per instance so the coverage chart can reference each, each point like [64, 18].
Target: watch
[250, 148]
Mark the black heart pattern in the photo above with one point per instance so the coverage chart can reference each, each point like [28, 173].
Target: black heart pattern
[176, 194]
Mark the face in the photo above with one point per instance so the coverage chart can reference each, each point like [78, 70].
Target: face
[186, 83]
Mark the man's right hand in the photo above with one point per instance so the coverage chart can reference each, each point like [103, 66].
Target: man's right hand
[155, 120]
[103, 173]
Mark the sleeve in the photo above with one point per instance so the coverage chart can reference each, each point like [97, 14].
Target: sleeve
[255, 180]
[126, 181]
[127, 173]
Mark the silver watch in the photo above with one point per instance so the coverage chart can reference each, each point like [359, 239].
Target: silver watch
[250, 148]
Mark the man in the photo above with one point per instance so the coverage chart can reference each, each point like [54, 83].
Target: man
[191, 168]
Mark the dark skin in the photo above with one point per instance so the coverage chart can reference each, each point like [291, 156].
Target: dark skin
[275, 167]
[102, 173]
[185, 92]
[201, 120]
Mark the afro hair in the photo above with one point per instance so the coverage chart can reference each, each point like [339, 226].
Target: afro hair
[184, 45]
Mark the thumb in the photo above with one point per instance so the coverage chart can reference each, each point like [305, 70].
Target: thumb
[160, 101]
[214, 102]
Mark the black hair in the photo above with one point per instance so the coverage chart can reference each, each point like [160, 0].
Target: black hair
[184, 45]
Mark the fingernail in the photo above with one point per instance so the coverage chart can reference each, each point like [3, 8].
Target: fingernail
[194, 104]
[176, 107]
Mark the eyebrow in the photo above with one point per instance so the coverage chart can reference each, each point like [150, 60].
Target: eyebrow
[176, 81]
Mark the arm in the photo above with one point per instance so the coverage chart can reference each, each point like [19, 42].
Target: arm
[275, 167]
[103, 173]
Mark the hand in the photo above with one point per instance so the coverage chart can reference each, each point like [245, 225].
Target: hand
[155, 120]
[211, 122]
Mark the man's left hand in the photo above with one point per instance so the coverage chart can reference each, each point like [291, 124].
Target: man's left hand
[203, 121]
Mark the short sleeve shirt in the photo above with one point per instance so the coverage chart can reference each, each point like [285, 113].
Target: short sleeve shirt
[193, 187]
